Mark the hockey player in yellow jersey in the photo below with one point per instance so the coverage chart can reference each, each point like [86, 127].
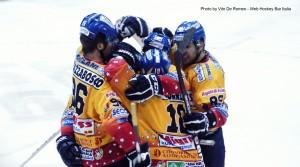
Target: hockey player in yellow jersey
[95, 130]
[159, 117]
[206, 78]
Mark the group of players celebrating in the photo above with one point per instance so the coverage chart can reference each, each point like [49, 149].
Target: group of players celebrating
[109, 75]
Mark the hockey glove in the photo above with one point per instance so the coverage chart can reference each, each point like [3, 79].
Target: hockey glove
[129, 53]
[69, 151]
[143, 87]
[144, 157]
[196, 123]
[129, 25]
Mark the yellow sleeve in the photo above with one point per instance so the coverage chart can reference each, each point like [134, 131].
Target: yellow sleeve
[207, 84]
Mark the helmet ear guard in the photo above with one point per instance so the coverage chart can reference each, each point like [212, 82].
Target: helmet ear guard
[100, 46]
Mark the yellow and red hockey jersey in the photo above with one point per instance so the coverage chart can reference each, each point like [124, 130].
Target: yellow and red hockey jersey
[159, 120]
[208, 87]
[95, 116]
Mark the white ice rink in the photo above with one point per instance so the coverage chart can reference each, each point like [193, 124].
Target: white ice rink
[258, 51]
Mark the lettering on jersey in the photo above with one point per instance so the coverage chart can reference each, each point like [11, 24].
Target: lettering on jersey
[91, 141]
[182, 142]
[119, 113]
[178, 97]
[213, 91]
[163, 153]
[208, 71]
[84, 126]
[200, 74]
[111, 94]
[86, 154]
[216, 63]
[88, 63]
[87, 76]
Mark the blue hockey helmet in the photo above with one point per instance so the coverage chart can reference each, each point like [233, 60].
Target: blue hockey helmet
[154, 61]
[198, 36]
[95, 23]
[159, 41]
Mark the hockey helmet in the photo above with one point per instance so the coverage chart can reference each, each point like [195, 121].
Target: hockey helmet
[95, 23]
[198, 36]
[159, 41]
[154, 61]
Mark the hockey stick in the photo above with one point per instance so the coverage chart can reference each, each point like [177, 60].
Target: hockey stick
[187, 38]
[135, 127]
[40, 147]
[139, 40]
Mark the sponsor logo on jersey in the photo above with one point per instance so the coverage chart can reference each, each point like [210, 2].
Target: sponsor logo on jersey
[179, 97]
[175, 164]
[119, 112]
[87, 154]
[215, 62]
[84, 126]
[174, 154]
[111, 94]
[199, 71]
[67, 122]
[91, 141]
[87, 76]
[208, 71]
[182, 142]
[213, 91]
[88, 63]
[184, 164]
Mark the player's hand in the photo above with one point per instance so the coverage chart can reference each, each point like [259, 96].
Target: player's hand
[143, 87]
[145, 160]
[129, 53]
[69, 151]
[196, 123]
[129, 25]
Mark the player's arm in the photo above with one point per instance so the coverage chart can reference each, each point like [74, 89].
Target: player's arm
[65, 143]
[117, 125]
[143, 87]
[210, 103]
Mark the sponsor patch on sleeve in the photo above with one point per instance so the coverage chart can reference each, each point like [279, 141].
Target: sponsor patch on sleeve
[200, 74]
[119, 113]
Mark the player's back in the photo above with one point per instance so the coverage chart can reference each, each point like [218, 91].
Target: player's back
[94, 102]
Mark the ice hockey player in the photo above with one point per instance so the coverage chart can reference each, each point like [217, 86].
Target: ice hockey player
[94, 128]
[206, 78]
[159, 117]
